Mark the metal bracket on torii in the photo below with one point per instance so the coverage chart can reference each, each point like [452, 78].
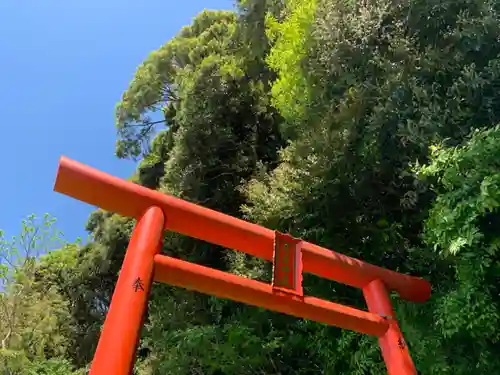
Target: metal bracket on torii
[287, 265]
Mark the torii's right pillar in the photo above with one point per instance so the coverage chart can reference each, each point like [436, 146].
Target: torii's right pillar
[392, 343]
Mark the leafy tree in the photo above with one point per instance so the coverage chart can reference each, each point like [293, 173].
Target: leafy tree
[220, 130]
[462, 229]
[35, 323]
[317, 118]
[154, 87]
[382, 82]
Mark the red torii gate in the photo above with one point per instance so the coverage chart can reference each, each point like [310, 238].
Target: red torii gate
[156, 212]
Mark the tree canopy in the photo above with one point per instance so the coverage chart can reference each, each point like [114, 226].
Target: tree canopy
[371, 128]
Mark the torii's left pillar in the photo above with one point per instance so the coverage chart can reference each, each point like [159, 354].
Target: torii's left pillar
[115, 352]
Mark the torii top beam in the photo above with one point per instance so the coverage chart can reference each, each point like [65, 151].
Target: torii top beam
[129, 199]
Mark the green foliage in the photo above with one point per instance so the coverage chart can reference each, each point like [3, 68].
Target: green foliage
[221, 128]
[153, 89]
[35, 320]
[389, 80]
[319, 118]
[462, 228]
[468, 193]
[291, 91]
[19, 252]
[54, 366]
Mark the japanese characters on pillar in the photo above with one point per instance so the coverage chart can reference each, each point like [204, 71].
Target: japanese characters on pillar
[287, 264]
[115, 352]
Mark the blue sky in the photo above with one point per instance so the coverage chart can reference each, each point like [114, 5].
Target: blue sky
[63, 67]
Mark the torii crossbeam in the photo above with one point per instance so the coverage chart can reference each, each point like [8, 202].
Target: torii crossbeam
[156, 212]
